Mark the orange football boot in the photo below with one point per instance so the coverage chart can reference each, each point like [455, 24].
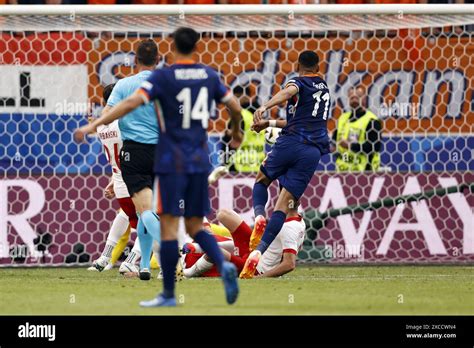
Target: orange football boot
[250, 265]
[257, 233]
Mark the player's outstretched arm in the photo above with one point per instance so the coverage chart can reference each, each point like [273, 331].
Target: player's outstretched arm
[236, 116]
[262, 124]
[282, 96]
[110, 115]
[287, 264]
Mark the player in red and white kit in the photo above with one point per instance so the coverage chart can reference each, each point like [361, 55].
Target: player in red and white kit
[109, 136]
[278, 259]
[196, 263]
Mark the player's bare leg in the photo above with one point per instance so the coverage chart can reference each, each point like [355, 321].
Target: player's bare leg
[229, 218]
[148, 228]
[285, 202]
[143, 199]
[260, 198]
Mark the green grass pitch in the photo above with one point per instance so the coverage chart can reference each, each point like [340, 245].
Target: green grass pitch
[319, 290]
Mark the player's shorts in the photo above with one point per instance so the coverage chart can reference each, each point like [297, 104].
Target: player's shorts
[120, 189]
[292, 163]
[136, 163]
[129, 208]
[180, 194]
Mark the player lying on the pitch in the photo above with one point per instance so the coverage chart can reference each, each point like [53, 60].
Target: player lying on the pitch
[277, 260]
[131, 272]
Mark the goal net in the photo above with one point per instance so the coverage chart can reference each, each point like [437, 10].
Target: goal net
[414, 64]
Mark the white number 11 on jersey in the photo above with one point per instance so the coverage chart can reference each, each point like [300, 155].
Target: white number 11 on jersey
[325, 98]
[198, 111]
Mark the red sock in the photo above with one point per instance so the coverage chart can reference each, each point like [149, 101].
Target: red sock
[238, 262]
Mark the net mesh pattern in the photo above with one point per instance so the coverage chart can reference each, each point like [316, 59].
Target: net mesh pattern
[417, 71]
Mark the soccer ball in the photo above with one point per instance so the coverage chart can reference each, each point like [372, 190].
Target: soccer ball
[272, 134]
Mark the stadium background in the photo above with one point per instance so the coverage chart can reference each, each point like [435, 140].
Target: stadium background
[51, 82]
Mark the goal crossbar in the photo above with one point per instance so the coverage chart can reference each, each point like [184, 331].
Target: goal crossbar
[232, 10]
[221, 18]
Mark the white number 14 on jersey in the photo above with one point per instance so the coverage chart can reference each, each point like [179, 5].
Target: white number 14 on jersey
[198, 111]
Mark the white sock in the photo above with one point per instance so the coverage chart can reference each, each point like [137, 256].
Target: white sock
[201, 266]
[135, 254]
[136, 246]
[107, 252]
[118, 228]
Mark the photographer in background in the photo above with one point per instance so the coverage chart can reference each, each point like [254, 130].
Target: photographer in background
[357, 138]
[248, 157]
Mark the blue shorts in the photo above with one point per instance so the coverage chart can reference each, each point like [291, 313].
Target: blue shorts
[181, 194]
[292, 163]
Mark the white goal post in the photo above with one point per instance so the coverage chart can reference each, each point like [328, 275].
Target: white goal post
[413, 62]
[233, 17]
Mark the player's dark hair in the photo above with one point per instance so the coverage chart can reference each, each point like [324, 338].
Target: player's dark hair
[107, 92]
[185, 40]
[308, 60]
[147, 52]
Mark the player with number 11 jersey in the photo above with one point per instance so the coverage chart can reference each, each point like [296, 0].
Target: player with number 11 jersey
[307, 111]
[295, 155]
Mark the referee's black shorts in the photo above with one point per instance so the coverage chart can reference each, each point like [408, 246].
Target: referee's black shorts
[136, 163]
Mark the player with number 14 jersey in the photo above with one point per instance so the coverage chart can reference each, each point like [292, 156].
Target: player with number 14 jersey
[185, 92]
